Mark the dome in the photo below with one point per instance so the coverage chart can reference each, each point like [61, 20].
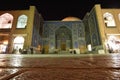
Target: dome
[71, 19]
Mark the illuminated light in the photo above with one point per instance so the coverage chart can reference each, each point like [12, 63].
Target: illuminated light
[119, 16]
[89, 47]
[5, 42]
[3, 46]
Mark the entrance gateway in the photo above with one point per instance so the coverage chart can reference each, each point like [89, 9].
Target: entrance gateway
[63, 38]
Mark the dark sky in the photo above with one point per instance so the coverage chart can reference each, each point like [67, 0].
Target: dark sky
[59, 9]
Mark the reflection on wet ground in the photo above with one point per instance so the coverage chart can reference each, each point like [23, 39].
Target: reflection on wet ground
[60, 67]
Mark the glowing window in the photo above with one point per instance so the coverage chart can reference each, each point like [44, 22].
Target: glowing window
[109, 20]
[113, 43]
[22, 21]
[18, 42]
[6, 21]
[3, 46]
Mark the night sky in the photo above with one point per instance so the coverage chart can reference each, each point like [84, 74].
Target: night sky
[59, 9]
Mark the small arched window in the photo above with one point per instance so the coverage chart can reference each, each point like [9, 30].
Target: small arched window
[6, 21]
[22, 21]
[109, 19]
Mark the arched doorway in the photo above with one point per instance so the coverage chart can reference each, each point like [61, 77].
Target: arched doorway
[18, 42]
[63, 37]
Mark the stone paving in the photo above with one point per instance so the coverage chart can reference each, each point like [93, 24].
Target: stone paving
[60, 67]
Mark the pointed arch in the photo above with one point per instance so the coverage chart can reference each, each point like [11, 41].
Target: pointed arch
[109, 19]
[63, 32]
[63, 38]
[6, 20]
[22, 21]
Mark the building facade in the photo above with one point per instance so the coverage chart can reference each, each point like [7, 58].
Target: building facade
[104, 22]
[64, 36]
[98, 31]
[19, 29]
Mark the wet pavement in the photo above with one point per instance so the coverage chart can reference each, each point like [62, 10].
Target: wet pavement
[60, 67]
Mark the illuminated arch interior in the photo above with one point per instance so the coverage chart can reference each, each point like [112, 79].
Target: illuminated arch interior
[6, 21]
[109, 19]
[113, 43]
[3, 43]
[22, 21]
[18, 42]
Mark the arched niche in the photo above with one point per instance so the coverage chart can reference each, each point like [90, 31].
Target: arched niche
[63, 38]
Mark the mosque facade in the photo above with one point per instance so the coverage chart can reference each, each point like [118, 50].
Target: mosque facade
[64, 35]
[97, 32]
